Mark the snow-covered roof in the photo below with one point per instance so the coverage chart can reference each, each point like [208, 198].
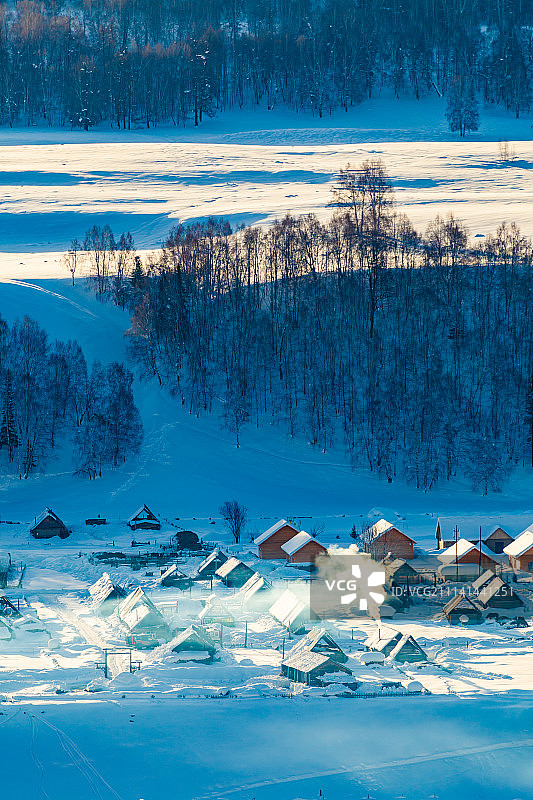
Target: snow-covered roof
[142, 510]
[461, 548]
[172, 570]
[256, 583]
[104, 587]
[288, 608]
[135, 598]
[271, 531]
[216, 554]
[192, 638]
[381, 638]
[483, 579]
[521, 544]
[459, 601]
[228, 566]
[143, 614]
[44, 514]
[296, 543]
[404, 641]
[320, 639]
[382, 526]
[305, 661]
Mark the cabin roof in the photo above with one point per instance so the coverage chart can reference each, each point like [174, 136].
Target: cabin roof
[312, 638]
[288, 608]
[193, 634]
[392, 567]
[255, 583]
[383, 526]
[272, 530]
[136, 597]
[460, 600]
[461, 548]
[297, 542]
[228, 566]
[213, 555]
[103, 587]
[404, 641]
[140, 511]
[172, 570]
[44, 514]
[381, 638]
[521, 544]
[483, 579]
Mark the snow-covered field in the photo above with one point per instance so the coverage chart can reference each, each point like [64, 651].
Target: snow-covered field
[249, 168]
[161, 734]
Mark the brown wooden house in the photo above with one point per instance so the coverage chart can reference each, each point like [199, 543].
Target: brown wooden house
[47, 525]
[269, 544]
[384, 538]
[520, 552]
[464, 552]
[144, 520]
[303, 549]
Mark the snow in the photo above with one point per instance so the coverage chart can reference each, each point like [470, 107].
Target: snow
[520, 545]
[296, 543]
[235, 727]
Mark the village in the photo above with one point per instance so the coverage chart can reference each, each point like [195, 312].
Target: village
[159, 611]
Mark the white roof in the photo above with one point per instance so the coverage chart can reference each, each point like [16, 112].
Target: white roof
[296, 543]
[271, 531]
[461, 548]
[521, 544]
[288, 608]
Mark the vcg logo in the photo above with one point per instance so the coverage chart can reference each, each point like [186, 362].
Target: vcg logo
[347, 585]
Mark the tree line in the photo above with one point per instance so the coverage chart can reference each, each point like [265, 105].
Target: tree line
[52, 403]
[139, 62]
[412, 352]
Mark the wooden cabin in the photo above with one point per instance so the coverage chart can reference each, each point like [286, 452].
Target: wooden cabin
[234, 573]
[193, 644]
[256, 593]
[520, 552]
[106, 594]
[47, 525]
[175, 578]
[383, 538]
[311, 668]
[462, 606]
[393, 644]
[209, 565]
[464, 552]
[303, 549]
[215, 612]
[318, 640]
[292, 612]
[269, 544]
[474, 529]
[498, 594]
[399, 573]
[144, 520]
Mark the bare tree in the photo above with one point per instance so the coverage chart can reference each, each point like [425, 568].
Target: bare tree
[234, 515]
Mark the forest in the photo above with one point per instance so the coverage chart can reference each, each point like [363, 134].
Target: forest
[411, 352]
[144, 63]
[51, 402]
